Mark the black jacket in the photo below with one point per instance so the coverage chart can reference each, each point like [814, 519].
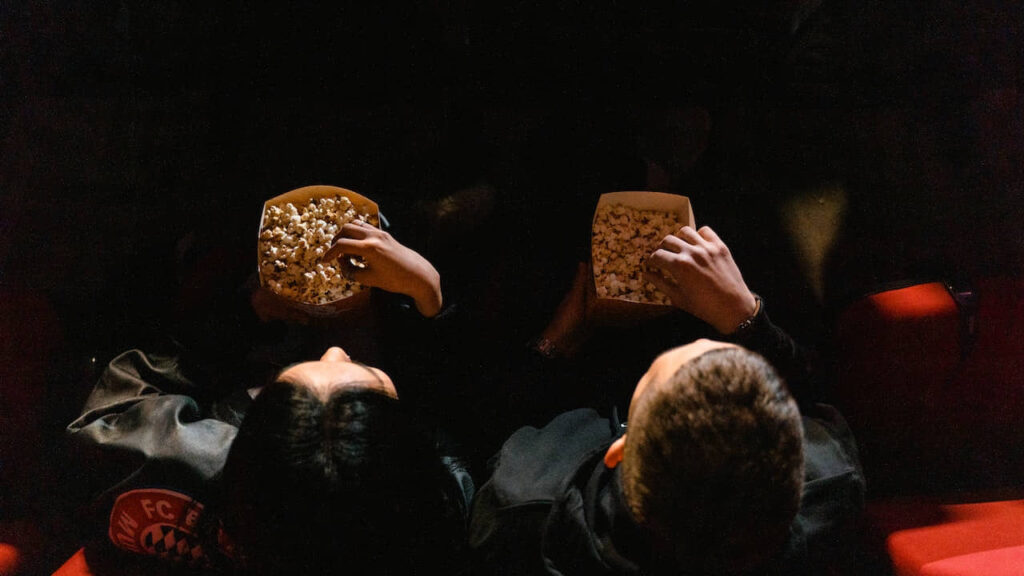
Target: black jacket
[551, 506]
[153, 447]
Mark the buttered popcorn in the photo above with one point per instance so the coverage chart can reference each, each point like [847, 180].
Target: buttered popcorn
[293, 240]
[623, 237]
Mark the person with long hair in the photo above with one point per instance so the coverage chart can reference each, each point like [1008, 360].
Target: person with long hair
[317, 469]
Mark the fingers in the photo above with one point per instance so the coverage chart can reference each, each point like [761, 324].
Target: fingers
[343, 246]
[672, 243]
[354, 239]
[659, 280]
[665, 269]
[708, 234]
[353, 272]
[661, 258]
[356, 229]
[689, 235]
[683, 240]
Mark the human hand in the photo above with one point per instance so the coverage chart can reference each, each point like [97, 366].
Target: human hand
[697, 272]
[386, 264]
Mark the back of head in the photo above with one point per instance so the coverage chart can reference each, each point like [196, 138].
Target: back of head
[714, 464]
[314, 486]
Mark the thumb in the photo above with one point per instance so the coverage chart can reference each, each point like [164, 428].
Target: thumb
[354, 272]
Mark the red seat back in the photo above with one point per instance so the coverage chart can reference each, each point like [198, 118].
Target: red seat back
[933, 386]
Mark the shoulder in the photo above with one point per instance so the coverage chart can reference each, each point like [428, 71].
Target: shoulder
[564, 438]
[535, 464]
[829, 446]
[834, 487]
[532, 492]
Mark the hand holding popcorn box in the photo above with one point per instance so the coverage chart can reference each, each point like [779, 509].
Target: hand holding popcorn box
[296, 230]
[627, 228]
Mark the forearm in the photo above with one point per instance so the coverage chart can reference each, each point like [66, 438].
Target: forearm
[795, 363]
[427, 293]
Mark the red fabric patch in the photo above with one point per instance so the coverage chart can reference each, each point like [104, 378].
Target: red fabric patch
[161, 523]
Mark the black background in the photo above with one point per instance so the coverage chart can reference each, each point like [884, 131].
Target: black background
[127, 126]
[134, 134]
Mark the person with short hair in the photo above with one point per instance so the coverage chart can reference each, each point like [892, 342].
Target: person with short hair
[720, 468]
[716, 419]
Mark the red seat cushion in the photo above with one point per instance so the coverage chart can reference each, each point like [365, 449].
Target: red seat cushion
[10, 559]
[999, 562]
[76, 565]
[22, 543]
[97, 562]
[929, 536]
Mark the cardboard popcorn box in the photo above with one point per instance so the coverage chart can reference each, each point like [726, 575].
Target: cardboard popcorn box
[330, 305]
[626, 228]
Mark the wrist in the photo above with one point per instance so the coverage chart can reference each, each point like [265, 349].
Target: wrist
[427, 296]
[563, 340]
[545, 347]
[738, 328]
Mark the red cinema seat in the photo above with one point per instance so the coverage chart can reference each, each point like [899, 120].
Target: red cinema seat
[932, 383]
[76, 565]
[22, 547]
[30, 335]
[10, 559]
[931, 537]
[931, 379]
[896, 352]
[86, 562]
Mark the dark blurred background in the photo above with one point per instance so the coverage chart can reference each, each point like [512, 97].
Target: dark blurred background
[890, 132]
[851, 146]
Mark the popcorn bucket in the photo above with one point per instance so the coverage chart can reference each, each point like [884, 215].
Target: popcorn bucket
[648, 217]
[303, 197]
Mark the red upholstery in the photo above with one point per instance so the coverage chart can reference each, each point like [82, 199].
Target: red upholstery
[935, 393]
[932, 407]
[996, 364]
[22, 546]
[999, 562]
[30, 335]
[896, 351]
[86, 562]
[77, 565]
[930, 537]
[10, 559]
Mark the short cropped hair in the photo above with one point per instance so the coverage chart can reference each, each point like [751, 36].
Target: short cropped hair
[350, 484]
[713, 465]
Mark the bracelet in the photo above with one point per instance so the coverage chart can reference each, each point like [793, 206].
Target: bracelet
[746, 324]
[545, 347]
